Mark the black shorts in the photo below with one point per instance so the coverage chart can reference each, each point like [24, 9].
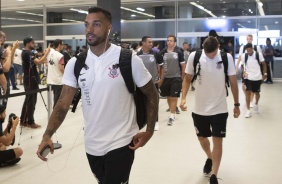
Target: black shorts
[114, 167]
[253, 86]
[7, 155]
[207, 126]
[171, 87]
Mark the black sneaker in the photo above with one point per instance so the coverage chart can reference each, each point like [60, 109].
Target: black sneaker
[170, 121]
[208, 166]
[213, 179]
[177, 110]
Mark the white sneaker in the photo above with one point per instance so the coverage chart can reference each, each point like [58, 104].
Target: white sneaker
[170, 121]
[251, 104]
[248, 114]
[157, 127]
[256, 109]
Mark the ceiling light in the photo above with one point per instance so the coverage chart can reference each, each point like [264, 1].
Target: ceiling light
[202, 8]
[223, 16]
[20, 0]
[276, 22]
[249, 21]
[128, 9]
[40, 15]
[79, 11]
[140, 9]
[133, 15]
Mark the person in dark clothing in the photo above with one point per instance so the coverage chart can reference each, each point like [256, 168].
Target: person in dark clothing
[268, 56]
[30, 81]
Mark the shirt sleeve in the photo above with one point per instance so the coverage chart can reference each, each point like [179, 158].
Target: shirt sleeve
[189, 67]
[243, 59]
[181, 58]
[69, 77]
[159, 58]
[231, 67]
[1, 130]
[140, 74]
[241, 50]
[261, 58]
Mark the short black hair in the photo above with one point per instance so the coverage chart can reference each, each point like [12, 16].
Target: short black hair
[213, 33]
[144, 38]
[58, 42]
[97, 9]
[174, 37]
[134, 45]
[249, 45]
[185, 43]
[155, 43]
[210, 44]
[27, 40]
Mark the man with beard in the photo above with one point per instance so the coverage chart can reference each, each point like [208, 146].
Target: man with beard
[10, 156]
[30, 81]
[111, 132]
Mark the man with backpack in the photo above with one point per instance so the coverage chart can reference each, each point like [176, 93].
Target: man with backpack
[111, 132]
[210, 112]
[152, 61]
[253, 74]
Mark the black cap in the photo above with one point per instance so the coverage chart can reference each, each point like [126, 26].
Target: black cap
[27, 40]
[268, 39]
[2, 109]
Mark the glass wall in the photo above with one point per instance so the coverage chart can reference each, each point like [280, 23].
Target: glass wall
[189, 21]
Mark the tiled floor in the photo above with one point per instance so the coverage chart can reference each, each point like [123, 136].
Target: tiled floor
[252, 149]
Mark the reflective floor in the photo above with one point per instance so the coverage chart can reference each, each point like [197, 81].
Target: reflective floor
[252, 150]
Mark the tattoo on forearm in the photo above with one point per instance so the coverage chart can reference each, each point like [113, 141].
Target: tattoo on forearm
[152, 104]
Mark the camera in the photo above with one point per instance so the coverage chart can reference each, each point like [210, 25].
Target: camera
[10, 125]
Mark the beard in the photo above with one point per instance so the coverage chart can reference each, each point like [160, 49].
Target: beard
[96, 40]
[2, 120]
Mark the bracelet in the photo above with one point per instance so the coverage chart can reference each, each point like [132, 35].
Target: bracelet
[265, 74]
[237, 104]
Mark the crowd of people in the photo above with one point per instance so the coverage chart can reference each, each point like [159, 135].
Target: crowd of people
[168, 71]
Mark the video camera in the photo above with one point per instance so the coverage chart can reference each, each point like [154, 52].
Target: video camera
[10, 125]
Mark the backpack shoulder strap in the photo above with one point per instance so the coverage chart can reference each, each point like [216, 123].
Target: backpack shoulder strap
[246, 58]
[125, 69]
[244, 48]
[257, 57]
[225, 61]
[80, 63]
[196, 60]
[255, 48]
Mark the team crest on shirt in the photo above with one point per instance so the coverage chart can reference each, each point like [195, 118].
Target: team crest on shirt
[175, 56]
[219, 65]
[113, 72]
[152, 58]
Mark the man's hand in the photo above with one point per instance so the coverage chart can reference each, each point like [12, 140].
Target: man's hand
[264, 77]
[15, 122]
[15, 45]
[140, 139]
[182, 105]
[236, 111]
[160, 82]
[45, 141]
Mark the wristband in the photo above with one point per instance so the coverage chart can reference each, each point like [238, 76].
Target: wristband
[265, 74]
[237, 104]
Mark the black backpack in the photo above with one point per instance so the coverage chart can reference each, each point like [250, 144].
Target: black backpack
[257, 57]
[126, 72]
[225, 65]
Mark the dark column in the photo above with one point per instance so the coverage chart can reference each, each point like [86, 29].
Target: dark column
[114, 8]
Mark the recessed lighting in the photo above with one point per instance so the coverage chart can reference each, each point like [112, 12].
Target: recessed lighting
[249, 21]
[20, 0]
[223, 16]
[133, 15]
[276, 22]
[140, 9]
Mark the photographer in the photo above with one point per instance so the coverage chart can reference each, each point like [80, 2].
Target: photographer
[10, 156]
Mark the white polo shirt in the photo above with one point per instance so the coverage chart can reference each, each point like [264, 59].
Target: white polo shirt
[108, 107]
[210, 94]
[18, 57]
[252, 68]
[54, 75]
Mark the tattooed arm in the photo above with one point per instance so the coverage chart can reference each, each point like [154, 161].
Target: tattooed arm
[151, 93]
[57, 117]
